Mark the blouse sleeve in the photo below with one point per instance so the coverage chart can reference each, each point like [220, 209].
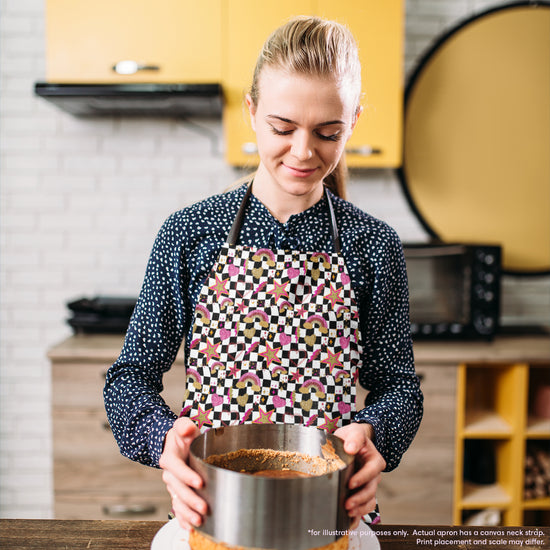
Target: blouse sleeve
[138, 416]
[394, 404]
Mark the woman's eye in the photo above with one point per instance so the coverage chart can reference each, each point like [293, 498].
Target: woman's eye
[280, 131]
[330, 137]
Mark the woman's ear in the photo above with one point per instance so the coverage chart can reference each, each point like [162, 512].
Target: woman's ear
[251, 110]
[358, 111]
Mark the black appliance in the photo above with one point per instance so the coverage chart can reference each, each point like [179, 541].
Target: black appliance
[102, 314]
[454, 290]
[134, 99]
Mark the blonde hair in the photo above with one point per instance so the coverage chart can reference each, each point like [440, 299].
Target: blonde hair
[309, 45]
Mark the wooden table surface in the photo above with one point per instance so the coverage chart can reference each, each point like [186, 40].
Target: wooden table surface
[27, 534]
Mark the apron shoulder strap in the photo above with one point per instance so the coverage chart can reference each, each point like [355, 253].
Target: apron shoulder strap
[333, 224]
[233, 235]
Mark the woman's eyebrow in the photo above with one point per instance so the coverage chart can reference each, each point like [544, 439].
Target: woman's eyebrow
[282, 119]
[289, 121]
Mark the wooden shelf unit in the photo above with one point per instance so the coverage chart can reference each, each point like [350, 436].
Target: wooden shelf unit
[494, 409]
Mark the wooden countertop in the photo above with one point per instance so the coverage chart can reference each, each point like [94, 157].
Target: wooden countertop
[531, 349]
[27, 534]
[92, 347]
[520, 349]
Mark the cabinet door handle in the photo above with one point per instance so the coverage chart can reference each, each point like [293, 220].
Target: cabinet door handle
[129, 66]
[364, 150]
[129, 509]
[249, 148]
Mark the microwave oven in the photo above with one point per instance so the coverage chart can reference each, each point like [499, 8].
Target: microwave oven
[454, 290]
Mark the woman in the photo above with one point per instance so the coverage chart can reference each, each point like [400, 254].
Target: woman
[286, 293]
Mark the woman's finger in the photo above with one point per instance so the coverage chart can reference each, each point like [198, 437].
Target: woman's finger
[371, 465]
[359, 512]
[184, 492]
[364, 497]
[186, 516]
[188, 506]
[173, 466]
[180, 479]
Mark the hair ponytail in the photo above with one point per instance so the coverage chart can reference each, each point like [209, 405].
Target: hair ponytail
[336, 181]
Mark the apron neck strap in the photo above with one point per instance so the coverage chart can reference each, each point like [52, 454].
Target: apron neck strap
[333, 224]
[233, 235]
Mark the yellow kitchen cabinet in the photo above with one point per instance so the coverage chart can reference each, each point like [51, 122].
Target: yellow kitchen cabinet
[378, 29]
[174, 41]
[247, 24]
[496, 425]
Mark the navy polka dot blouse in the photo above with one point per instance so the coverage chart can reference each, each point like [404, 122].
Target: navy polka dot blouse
[184, 252]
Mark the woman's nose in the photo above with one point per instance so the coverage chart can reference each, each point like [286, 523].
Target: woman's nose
[301, 146]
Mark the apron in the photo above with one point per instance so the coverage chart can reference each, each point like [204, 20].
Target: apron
[275, 338]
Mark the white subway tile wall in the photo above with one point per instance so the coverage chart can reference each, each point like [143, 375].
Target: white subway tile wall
[81, 202]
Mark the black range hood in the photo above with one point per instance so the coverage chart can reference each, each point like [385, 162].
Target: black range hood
[172, 100]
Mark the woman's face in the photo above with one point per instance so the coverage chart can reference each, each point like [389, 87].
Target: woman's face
[302, 124]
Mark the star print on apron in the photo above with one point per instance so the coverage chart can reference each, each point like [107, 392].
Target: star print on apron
[275, 338]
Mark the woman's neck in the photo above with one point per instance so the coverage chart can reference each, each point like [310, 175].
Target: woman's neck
[280, 202]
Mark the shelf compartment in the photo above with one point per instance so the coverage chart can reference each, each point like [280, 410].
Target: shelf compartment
[538, 427]
[538, 419]
[482, 516]
[536, 517]
[486, 474]
[536, 480]
[486, 424]
[491, 404]
[484, 496]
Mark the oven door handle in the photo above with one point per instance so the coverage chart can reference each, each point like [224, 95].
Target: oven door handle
[433, 251]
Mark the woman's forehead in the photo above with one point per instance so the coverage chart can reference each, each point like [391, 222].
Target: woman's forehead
[296, 93]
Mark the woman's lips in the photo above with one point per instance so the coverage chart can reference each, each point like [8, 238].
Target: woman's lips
[300, 172]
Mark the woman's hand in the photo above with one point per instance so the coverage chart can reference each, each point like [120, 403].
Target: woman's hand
[181, 481]
[370, 463]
